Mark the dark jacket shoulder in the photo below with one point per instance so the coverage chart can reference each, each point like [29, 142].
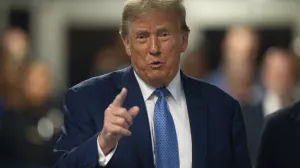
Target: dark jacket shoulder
[288, 112]
[105, 81]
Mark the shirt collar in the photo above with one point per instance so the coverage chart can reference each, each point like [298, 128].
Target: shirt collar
[175, 87]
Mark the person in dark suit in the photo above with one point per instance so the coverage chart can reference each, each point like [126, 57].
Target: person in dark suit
[280, 138]
[151, 114]
[279, 77]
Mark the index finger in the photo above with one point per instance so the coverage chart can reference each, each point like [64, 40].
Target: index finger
[120, 98]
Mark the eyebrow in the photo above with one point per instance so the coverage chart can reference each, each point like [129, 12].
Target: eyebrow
[141, 31]
[163, 28]
[159, 29]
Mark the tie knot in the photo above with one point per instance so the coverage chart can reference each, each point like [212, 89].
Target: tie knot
[161, 92]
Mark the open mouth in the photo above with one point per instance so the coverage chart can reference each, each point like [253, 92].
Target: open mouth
[156, 64]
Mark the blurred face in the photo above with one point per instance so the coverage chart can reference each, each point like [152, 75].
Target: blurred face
[278, 75]
[240, 47]
[154, 44]
[37, 85]
[15, 44]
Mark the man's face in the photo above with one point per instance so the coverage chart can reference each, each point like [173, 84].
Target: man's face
[278, 74]
[240, 47]
[154, 44]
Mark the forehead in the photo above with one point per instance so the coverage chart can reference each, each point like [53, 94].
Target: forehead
[279, 60]
[155, 20]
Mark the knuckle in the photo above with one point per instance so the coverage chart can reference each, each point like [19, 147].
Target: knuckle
[118, 111]
[108, 110]
[122, 121]
[123, 110]
[120, 130]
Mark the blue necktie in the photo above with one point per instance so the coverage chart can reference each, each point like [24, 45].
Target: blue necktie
[166, 146]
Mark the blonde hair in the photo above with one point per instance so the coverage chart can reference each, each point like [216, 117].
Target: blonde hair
[134, 8]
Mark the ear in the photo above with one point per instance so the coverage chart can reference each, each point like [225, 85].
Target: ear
[126, 43]
[185, 41]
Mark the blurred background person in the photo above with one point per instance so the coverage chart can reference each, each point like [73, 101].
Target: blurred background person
[279, 77]
[27, 135]
[30, 120]
[278, 74]
[13, 57]
[194, 64]
[110, 58]
[105, 61]
[237, 73]
[279, 144]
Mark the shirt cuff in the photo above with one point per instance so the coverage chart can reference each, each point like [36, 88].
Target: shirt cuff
[103, 160]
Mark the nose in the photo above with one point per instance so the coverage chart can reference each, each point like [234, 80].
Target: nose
[154, 48]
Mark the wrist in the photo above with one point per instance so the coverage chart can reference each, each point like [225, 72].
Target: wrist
[105, 145]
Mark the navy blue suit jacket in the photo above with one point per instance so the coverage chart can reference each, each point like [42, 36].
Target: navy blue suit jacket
[217, 126]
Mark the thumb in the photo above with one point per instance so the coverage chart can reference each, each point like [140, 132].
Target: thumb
[134, 111]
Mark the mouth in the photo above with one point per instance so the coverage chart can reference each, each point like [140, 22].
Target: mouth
[156, 64]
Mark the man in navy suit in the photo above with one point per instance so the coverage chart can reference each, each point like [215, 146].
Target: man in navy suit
[151, 114]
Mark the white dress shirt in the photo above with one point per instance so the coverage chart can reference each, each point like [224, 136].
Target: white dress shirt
[271, 103]
[178, 110]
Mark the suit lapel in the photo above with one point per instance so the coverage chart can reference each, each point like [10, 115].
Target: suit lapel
[140, 128]
[197, 110]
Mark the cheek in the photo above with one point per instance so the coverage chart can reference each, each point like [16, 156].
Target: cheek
[171, 50]
[167, 47]
[139, 54]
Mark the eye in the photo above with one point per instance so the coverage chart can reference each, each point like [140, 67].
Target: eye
[140, 37]
[164, 35]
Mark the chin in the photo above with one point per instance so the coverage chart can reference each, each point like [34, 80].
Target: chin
[158, 79]
[157, 74]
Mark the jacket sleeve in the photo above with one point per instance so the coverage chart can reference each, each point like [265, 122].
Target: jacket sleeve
[239, 139]
[77, 145]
